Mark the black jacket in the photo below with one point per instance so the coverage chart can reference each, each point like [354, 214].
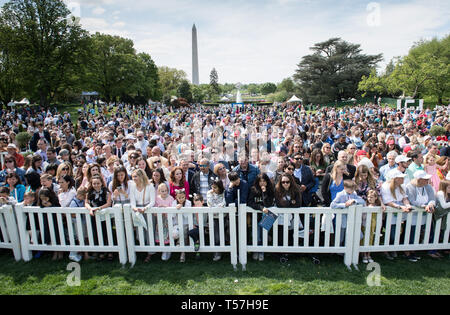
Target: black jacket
[194, 184]
[259, 200]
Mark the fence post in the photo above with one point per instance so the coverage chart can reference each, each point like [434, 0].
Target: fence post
[233, 241]
[129, 230]
[350, 234]
[356, 233]
[242, 236]
[12, 231]
[24, 238]
[120, 232]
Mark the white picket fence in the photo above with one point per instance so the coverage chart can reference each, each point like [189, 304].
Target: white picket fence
[306, 235]
[71, 230]
[140, 239]
[377, 229]
[9, 234]
[301, 230]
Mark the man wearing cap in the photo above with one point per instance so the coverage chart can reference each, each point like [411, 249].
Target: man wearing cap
[12, 150]
[421, 194]
[417, 163]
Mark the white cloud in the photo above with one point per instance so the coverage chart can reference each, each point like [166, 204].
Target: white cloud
[263, 41]
[98, 11]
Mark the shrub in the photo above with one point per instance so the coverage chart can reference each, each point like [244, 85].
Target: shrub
[436, 131]
[22, 139]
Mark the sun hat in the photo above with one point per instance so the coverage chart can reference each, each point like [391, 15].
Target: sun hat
[401, 158]
[395, 173]
[421, 175]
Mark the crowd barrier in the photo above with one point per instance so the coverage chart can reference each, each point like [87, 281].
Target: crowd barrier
[9, 234]
[212, 226]
[71, 230]
[301, 230]
[348, 232]
[394, 230]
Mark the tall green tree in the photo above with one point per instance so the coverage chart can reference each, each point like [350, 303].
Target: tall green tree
[147, 84]
[114, 70]
[333, 71]
[49, 43]
[184, 91]
[214, 82]
[10, 67]
[170, 80]
[268, 88]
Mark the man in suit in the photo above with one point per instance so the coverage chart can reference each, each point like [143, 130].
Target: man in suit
[188, 172]
[305, 176]
[119, 149]
[41, 134]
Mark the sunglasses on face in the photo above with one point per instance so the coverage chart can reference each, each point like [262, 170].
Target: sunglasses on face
[283, 182]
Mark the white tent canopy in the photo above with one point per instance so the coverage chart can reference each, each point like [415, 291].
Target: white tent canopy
[225, 99]
[294, 99]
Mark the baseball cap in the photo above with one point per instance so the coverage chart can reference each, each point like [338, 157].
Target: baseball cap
[401, 158]
[361, 153]
[421, 175]
[12, 146]
[395, 173]
[407, 149]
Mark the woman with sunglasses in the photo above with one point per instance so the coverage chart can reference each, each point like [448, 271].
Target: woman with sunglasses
[64, 169]
[11, 167]
[287, 195]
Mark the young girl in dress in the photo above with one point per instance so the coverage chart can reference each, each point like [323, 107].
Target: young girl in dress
[430, 168]
[180, 202]
[164, 200]
[98, 198]
[373, 200]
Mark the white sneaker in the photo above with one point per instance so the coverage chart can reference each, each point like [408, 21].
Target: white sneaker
[74, 256]
[261, 256]
[166, 256]
[217, 257]
[255, 256]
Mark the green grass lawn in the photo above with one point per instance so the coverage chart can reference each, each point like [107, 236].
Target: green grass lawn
[204, 277]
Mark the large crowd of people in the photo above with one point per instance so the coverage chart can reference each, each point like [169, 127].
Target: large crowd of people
[279, 156]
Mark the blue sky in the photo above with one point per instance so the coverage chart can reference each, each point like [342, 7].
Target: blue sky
[261, 40]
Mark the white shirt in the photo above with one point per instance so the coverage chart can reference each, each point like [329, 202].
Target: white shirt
[137, 197]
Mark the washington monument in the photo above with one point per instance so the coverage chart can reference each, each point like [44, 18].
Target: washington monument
[195, 76]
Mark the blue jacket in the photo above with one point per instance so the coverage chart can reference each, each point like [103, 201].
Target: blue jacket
[253, 172]
[20, 172]
[231, 195]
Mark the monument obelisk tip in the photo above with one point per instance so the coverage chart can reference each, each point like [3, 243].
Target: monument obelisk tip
[195, 72]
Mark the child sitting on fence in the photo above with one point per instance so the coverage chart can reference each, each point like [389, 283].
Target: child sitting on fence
[195, 232]
[343, 200]
[5, 198]
[163, 200]
[216, 199]
[180, 202]
[78, 202]
[373, 200]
